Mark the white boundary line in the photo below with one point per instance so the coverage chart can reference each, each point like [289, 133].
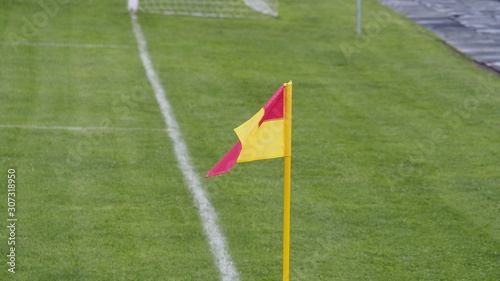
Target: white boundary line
[36, 127]
[65, 45]
[207, 212]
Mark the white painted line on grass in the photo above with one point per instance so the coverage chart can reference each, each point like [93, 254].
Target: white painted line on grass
[207, 212]
[66, 45]
[37, 127]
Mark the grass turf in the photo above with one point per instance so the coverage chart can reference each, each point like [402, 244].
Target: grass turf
[395, 170]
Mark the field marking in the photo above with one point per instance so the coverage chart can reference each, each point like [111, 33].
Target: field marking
[66, 45]
[36, 127]
[207, 212]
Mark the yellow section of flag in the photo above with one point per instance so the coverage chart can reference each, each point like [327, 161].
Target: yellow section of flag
[260, 142]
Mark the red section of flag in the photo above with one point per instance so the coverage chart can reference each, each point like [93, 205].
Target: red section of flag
[274, 107]
[227, 162]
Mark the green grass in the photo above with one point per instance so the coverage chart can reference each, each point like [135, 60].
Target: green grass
[395, 168]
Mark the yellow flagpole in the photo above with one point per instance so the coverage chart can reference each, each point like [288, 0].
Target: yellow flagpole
[287, 179]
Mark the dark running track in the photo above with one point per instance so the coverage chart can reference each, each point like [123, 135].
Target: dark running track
[470, 26]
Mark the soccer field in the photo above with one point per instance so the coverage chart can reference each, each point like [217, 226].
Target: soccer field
[396, 146]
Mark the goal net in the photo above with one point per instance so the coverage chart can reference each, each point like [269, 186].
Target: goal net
[208, 8]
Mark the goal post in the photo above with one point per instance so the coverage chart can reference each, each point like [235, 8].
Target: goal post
[133, 5]
[207, 8]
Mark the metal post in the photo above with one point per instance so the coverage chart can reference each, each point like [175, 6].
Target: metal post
[359, 18]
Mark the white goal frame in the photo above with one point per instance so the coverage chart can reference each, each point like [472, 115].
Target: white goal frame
[208, 8]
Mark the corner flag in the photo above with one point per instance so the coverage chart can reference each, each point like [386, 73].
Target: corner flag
[261, 137]
[268, 134]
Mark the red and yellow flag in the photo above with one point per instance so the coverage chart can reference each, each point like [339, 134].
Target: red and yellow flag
[261, 137]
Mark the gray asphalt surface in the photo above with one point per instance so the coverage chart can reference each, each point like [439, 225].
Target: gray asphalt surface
[470, 26]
